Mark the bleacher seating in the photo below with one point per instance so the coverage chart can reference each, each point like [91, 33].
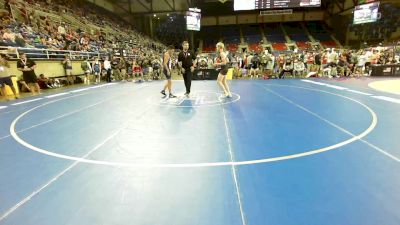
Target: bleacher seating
[212, 34]
[230, 34]
[38, 25]
[319, 33]
[209, 45]
[252, 34]
[231, 37]
[296, 32]
[298, 35]
[303, 45]
[279, 46]
[232, 47]
[210, 37]
[255, 47]
[274, 33]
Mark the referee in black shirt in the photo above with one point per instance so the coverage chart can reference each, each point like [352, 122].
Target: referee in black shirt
[186, 61]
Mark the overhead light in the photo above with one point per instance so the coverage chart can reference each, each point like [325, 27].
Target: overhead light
[167, 14]
[155, 15]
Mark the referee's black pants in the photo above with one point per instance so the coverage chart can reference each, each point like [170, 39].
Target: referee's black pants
[187, 77]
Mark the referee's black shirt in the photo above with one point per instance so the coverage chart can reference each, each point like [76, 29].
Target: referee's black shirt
[186, 58]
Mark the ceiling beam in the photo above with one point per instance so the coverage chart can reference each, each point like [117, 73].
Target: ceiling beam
[339, 5]
[121, 7]
[170, 6]
[144, 5]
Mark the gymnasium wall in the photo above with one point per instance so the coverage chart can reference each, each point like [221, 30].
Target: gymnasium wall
[48, 68]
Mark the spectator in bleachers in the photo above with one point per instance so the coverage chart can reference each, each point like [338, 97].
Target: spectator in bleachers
[61, 29]
[9, 37]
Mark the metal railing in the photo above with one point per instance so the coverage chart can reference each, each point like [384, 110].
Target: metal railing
[48, 54]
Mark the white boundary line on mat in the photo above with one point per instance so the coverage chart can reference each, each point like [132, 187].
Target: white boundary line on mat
[374, 122]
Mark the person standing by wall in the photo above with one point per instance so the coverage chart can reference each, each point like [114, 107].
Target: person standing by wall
[115, 68]
[27, 67]
[123, 67]
[96, 65]
[107, 67]
[5, 78]
[67, 63]
[87, 69]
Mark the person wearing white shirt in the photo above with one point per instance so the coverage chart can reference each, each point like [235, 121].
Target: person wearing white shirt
[248, 64]
[107, 67]
[270, 64]
[298, 68]
[61, 29]
[362, 59]
[369, 56]
[397, 58]
[210, 63]
[333, 57]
